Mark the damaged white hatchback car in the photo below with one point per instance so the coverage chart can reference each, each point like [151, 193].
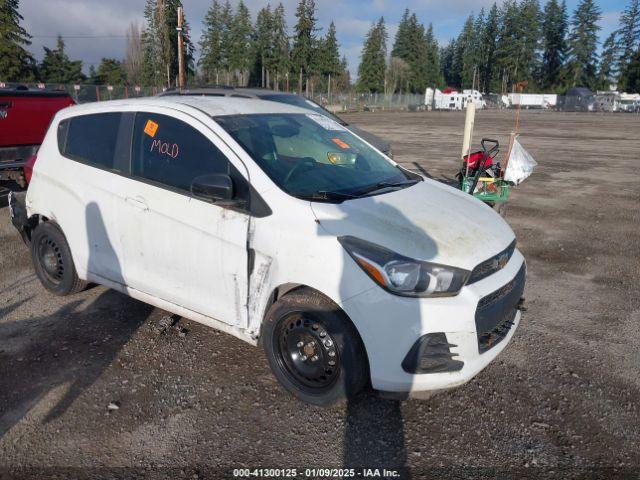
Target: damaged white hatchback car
[281, 227]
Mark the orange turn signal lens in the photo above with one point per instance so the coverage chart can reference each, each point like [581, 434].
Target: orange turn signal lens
[372, 270]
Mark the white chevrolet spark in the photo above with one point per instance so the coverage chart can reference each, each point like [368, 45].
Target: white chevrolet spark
[280, 227]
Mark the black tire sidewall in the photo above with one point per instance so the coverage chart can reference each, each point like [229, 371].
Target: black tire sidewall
[354, 372]
[70, 278]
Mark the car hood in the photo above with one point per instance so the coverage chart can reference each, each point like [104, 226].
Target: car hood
[379, 143]
[427, 221]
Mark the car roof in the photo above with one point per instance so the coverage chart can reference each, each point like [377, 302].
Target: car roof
[210, 105]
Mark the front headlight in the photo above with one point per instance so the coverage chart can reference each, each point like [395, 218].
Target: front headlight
[402, 275]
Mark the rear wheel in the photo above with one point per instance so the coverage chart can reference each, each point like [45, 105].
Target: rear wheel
[313, 349]
[52, 261]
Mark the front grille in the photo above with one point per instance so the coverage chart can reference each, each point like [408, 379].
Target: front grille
[496, 312]
[495, 263]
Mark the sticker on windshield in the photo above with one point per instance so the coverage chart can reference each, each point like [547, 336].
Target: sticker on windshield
[151, 128]
[326, 122]
[340, 143]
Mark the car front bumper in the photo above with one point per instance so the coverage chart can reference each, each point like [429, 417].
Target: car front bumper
[478, 323]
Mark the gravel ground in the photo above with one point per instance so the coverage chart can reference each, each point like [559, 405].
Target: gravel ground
[100, 385]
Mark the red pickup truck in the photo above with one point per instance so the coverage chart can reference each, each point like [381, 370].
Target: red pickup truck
[25, 115]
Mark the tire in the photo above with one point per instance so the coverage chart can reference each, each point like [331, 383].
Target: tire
[340, 370]
[52, 261]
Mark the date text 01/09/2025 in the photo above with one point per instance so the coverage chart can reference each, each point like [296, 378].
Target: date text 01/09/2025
[315, 473]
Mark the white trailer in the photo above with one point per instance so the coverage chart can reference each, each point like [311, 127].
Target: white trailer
[532, 100]
[608, 101]
[452, 100]
[630, 102]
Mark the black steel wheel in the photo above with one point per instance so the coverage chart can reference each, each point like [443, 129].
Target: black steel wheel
[313, 349]
[50, 258]
[53, 262]
[307, 351]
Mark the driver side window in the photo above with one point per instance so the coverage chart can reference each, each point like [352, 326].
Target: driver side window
[170, 152]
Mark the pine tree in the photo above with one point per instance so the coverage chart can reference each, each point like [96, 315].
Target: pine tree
[583, 45]
[163, 35]
[56, 67]
[530, 41]
[628, 39]
[633, 74]
[151, 50]
[519, 43]
[418, 57]
[281, 63]
[478, 49]
[371, 72]
[434, 76]
[489, 42]
[110, 72]
[330, 54]
[554, 27]
[210, 44]
[402, 41]
[411, 46]
[608, 74]
[240, 53]
[263, 47]
[508, 45]
[447, 54]
[171, 22]
[160, 43]
[16, 63]
[463, 59]
[304, 41]
[467, 55]
[226, 40]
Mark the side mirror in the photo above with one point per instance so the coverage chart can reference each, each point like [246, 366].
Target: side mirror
[215, 188]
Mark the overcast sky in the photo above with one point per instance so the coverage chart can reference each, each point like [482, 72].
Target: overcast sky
[108, 19]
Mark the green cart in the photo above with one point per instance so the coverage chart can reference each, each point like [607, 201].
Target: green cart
[481, 176]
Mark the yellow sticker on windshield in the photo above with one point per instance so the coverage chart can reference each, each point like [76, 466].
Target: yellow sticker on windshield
[151, 128]
[340, 143]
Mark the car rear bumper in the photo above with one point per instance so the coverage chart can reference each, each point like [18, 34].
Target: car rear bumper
[424, 344]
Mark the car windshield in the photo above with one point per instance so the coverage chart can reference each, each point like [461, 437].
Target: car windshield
[311, 156]
[298, 101]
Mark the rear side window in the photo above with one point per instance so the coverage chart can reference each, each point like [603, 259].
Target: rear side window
[91, 139]
[171, 152]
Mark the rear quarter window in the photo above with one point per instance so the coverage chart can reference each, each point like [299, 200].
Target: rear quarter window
[91, 139]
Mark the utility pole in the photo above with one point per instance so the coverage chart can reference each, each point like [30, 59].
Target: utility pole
[180, 48]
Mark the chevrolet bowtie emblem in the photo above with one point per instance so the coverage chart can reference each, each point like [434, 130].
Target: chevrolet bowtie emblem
[501, 261]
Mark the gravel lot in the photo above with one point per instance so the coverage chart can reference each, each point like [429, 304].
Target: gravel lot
[561, 401]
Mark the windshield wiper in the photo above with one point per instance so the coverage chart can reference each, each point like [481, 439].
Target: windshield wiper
[382, 185]
[326, 196]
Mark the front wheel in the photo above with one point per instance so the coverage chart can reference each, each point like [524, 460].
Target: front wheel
[314, 350]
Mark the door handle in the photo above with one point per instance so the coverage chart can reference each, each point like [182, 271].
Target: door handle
[137, 202]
